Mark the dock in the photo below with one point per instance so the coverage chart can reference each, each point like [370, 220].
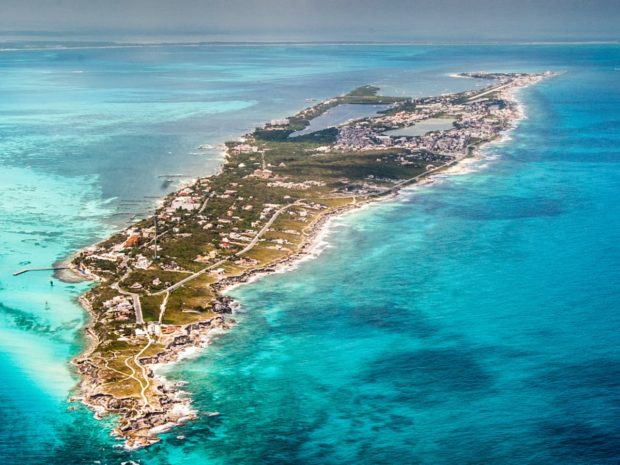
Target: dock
[53, 268]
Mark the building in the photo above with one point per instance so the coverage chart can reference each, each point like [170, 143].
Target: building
[133, 240]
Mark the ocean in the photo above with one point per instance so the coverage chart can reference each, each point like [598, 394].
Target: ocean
[472, 321]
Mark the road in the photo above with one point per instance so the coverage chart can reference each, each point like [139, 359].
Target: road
[162, 307]
[247, 248]
[145, 376]
[204, 204]
[490, 91]
[137, 306]
[189, 278]
[266, 227]
[133, 375]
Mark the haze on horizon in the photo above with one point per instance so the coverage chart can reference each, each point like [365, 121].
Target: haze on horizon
[313, 20]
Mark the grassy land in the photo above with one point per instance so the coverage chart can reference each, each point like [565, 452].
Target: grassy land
[263, 174]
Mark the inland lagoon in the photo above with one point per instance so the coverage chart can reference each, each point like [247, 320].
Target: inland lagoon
[339, 115]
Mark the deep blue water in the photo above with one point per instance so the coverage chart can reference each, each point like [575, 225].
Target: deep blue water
[471, 321]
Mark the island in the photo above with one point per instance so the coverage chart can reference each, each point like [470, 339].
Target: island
[159, 285]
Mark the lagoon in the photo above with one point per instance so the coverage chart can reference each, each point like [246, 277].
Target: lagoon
[338, 115]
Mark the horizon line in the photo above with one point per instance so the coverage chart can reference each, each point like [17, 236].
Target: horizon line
[85, 43]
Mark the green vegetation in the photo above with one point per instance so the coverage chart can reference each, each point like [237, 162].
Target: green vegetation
[262, 175]
[151, 306]
[257, 211]
[364, 95]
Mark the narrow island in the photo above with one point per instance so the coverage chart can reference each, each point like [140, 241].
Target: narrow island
[160, 283]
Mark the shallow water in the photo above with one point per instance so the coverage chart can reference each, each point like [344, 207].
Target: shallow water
[471, 321]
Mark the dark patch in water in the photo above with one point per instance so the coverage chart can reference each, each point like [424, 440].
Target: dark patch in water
[501, 208]
[47, 234]
[25, 321]
[590, 156]
[392, 318]
[431, 375]
[603, 374]
[571, 438]
[585, 415]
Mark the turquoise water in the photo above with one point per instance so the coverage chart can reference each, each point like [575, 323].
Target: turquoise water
[471, 321]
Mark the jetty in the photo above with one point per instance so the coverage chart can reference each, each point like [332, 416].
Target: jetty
[52, 268]
[174, 176]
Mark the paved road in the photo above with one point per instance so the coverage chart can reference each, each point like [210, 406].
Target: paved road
[204, 205]
[248, 247]
[266, 227]
[189, 278]
[137, 306]
[494, 89]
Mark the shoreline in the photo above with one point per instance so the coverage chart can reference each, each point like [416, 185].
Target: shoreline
[309, 251]
[321, 230]
[199, 334]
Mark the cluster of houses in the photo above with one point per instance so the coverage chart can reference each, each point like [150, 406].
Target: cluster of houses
[119, 308]
[479, 120]
[186, 199]
[296, 185]
[475, 119]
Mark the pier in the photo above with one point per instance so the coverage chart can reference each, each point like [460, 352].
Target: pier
[53, 268]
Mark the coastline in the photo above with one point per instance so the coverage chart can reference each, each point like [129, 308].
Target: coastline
[200, 333]
[317, 241]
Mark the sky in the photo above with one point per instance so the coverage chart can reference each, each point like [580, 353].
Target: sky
[314, 20]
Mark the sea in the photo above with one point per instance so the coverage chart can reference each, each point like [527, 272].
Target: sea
[472, 320]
